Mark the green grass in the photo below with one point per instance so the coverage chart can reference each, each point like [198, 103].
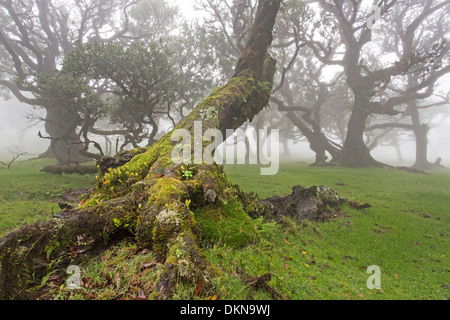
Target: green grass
[405, 233]
[28, 195]
[121, 272]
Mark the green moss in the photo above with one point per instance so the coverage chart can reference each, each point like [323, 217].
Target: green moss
[226, 223]
[208, 113]
[160, 153]
[233, 94]
[128, 222]
[165, 226]
[165, 190]
[120, 181]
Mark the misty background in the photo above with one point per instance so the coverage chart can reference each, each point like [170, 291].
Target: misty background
[16, 130]
[19, 133]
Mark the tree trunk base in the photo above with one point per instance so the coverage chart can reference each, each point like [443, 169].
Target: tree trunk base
[422, 166]
[70, 169]
[361, 161]
[47, 154]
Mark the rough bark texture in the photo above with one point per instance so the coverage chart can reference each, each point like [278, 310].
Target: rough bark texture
[355, 152]
[421, 134]
[65, 143]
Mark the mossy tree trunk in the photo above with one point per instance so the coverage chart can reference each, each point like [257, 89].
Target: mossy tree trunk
[148, 195]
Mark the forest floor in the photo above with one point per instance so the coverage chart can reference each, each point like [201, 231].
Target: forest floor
[405, 233]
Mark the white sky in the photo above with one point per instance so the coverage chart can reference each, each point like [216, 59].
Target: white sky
[186, 7]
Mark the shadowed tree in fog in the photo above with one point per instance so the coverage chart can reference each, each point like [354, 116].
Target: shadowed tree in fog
[346, 37]
[301, 93]
[139, 80]
[309, 103]
[35, 36]
[232, 20]
[415, 91]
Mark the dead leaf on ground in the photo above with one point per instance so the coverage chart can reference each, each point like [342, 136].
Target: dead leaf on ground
[199, 288]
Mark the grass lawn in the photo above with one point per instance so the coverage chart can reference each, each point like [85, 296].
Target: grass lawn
[405, 233]
[28, 195]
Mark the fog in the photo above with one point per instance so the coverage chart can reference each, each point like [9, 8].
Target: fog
[18, 133]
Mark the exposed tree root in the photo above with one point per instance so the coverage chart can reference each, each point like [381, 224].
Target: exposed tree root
[412, 170]
[158, 211]
[70, 169]
[314, 203]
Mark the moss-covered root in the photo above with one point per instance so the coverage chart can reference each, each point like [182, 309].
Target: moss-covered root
[186, 263]
[26, 253]
[168, 226]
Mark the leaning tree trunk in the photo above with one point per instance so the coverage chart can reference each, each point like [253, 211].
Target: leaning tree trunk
[355, 153]
[148, 195]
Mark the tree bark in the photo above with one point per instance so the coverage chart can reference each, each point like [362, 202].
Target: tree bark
[421, 134]
[65, 143]
[355, 153]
